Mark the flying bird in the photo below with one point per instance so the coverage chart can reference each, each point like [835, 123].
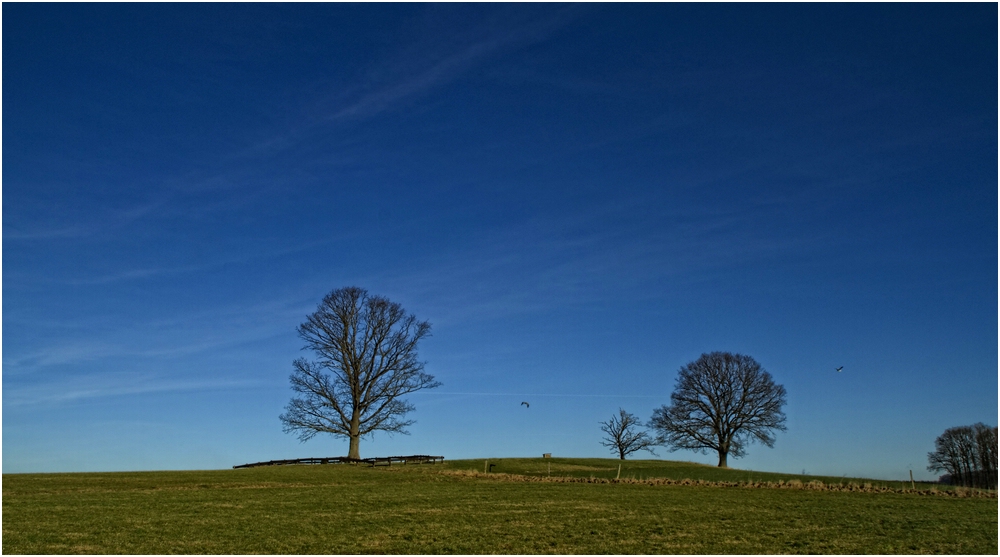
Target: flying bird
[526, 404]
[839, 369]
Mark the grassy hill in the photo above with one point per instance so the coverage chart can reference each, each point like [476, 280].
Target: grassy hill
[455, 508]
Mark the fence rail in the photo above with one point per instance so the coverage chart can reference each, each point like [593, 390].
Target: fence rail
[376, 461]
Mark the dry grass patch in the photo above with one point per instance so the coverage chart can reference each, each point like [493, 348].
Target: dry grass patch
[781, 484]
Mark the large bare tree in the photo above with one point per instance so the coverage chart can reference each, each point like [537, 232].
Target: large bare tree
[721, 402]
[623, 437]
[366, 348]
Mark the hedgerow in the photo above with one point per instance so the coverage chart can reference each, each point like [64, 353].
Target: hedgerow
[781, 484]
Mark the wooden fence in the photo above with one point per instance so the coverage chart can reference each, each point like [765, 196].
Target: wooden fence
[377, 461]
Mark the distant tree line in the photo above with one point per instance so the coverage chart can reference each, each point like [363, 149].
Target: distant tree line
[968, 454]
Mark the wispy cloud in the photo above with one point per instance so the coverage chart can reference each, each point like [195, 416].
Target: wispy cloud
[73, 352]
[382, 98]
[44, 233]
[162, 339]
[110, 385]
[434, 57]
[37, 220]
[127, 275]
[425, 66]
[603, 254]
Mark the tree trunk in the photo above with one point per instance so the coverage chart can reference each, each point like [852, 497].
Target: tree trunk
[355, 435]
[353, 452]
[723, 452]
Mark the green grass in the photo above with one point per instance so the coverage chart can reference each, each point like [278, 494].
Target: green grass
[454, 508]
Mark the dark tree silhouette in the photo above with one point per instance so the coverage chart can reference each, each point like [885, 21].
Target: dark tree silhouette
[968, 454]
[622, 436]
[721, 402]
[367, 359]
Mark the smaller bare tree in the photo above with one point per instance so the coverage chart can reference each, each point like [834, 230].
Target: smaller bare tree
[623, 437]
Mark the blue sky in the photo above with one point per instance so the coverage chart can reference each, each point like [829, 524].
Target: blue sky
[580, 199]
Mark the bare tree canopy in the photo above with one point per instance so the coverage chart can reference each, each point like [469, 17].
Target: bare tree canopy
[968, 454]
[721, 402]
[622, 436]
[367, 359]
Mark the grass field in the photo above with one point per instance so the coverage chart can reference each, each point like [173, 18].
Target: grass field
[455, 508]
